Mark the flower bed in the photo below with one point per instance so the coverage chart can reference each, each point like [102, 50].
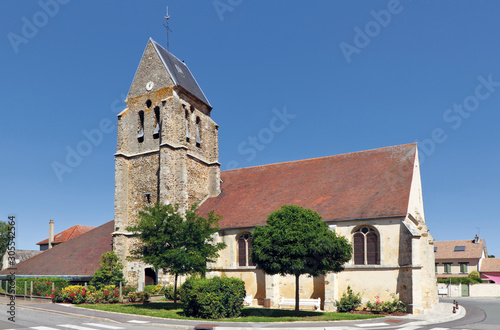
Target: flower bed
[78, 294]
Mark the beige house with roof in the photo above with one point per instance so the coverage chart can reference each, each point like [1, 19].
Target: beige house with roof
[459, 258]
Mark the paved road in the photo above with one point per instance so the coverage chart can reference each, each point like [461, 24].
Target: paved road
[39, 320]
[482, 314]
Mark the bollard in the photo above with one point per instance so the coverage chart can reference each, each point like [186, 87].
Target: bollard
[25, 289]
[456, 304]
[454, 310]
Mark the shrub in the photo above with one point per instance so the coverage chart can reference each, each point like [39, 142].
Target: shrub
[94, 298]
[132, 296]
[169, 293]
[153, 289]
[349, 301]
[213, 298]
[127, 289]
[460, 280]
[111, 294]
[74, 294]
[110, 272]
[143, 296]
[475, 274]
[386, 306]
[58, 296]
[42, 286]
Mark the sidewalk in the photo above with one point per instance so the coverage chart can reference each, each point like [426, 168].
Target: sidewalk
[442, 312]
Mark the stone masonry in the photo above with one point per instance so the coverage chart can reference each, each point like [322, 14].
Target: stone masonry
[167, 151]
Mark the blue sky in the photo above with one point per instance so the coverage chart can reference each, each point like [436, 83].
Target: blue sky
[351, 75]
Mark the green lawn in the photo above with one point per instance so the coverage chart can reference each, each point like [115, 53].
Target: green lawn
[166, 310]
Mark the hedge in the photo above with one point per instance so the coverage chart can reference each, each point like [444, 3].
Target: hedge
[213, 298]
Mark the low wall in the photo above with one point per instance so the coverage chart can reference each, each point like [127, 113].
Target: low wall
[485, 290]
[475, 290]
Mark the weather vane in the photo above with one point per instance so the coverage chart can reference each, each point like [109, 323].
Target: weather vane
[166, 26]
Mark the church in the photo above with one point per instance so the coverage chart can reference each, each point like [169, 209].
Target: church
[167, 151]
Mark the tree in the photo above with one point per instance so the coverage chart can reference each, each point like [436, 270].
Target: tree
[110, 272]
[4, 238]
[175, 243]
[296, 241]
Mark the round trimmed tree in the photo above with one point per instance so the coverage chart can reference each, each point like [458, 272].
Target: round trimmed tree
[296, 241]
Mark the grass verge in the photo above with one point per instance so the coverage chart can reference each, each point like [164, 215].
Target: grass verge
[249, 314]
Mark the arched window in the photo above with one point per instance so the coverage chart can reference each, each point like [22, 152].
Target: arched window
[156, 132]
[198, 132]
[244, 250]
[140, 128]
[186, 114]
[366, 246]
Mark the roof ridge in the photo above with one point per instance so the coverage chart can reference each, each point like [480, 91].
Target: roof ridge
[322, 157]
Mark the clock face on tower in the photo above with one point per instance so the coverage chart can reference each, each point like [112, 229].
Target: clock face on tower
[150, 85]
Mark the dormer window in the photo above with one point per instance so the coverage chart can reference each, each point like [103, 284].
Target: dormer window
[140, 129]
[198, 132]
[156, 132]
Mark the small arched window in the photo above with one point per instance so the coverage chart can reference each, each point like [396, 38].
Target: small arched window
[140, 128]
[198, 132]
[366, 246]
[156, 132]
[186, 114]
[245, 250]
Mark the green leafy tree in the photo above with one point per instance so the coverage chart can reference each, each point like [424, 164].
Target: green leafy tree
[178, 244]
[110, 272]
[296, 241]
[4, 238]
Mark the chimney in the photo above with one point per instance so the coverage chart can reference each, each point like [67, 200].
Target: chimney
[476, 239]
[51, 233]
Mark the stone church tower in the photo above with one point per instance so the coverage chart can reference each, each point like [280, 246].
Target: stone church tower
[167, 149]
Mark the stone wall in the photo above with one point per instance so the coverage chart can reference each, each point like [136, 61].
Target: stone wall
[167, 167]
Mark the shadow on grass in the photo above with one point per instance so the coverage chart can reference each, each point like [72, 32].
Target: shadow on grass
[249, 314]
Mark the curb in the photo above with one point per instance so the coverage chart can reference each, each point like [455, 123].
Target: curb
[95, 318]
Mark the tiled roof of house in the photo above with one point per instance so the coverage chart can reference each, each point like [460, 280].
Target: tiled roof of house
[22, 255]
[68, 234]
[490, 265]
[360, 185]
[446, 249]
[79, 256]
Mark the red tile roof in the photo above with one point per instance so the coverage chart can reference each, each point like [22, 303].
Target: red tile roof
[67, 234]
[361, 185]
[79, 256]
[490, 265]
[446, 249]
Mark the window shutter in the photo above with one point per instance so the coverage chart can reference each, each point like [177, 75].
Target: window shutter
[371, 249]
[242, 253]
[359, 249]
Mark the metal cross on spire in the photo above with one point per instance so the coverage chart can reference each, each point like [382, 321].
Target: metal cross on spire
[166, 26]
